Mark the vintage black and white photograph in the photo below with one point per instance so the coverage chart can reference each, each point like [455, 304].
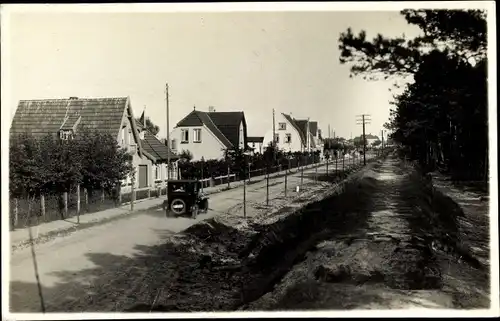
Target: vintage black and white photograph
[283, 157]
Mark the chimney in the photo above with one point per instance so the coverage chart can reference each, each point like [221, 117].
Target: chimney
[211, 109]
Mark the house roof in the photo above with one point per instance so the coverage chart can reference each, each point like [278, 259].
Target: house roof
[296, 126]
[224, 125]
[156, 148]
[48, 116]
[313, 127]
[40, 117]
[71, 122]
[229, 124]
[255, 139]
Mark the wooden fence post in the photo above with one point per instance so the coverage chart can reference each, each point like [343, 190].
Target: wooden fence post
[65, 196]
[228, 178]
[132, 194]
[42, 205]
[78, 203]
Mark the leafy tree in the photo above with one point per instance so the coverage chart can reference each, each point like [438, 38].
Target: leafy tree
[26, 174]
[460, 33]
[150, 126]
[104, 164]
[185, 156]
[376, 143]
[442, 116]
[358, 142]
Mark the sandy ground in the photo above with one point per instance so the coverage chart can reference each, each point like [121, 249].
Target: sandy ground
[379, 255]
[64, 263]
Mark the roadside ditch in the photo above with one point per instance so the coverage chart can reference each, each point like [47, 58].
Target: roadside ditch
[282, 259]
[228, 261]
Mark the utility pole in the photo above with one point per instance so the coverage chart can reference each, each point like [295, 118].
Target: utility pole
[382, 132]
[365, 119]
[307, 137]
[274, 137]
[168, 134]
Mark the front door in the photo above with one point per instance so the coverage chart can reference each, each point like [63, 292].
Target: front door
[143, 176]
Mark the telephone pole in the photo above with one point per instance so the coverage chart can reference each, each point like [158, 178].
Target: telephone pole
[274, 136]
[382, 132]
[365, 119]
[168, 134]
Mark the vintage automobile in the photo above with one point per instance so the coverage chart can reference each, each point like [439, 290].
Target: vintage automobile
[185, 197]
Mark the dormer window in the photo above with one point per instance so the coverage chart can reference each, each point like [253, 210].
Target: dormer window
[66, 134]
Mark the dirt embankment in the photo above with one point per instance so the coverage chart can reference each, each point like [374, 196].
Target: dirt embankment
[228, 261]
[408, 253]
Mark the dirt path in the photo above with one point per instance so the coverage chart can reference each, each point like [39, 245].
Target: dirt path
[69, 266]
[387, 249]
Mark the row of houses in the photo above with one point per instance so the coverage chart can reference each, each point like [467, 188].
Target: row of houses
[205, 134]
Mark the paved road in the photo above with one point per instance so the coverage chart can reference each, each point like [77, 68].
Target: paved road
[70, 255]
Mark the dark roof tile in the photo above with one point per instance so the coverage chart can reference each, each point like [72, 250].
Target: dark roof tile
[229, 124]
[41, 117]
[224, 125]
[156, 148]
[296, 125]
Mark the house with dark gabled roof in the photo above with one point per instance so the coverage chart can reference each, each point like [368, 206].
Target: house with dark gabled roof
[209, 134]
[292, 135]
[64, 117]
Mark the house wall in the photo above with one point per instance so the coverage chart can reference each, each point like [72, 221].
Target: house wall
[258, 148]
[294, 146]
[126, 140]
[209, 148]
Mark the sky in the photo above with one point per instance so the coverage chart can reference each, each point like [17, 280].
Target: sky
[234, 61]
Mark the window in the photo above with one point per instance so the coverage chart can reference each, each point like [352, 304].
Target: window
[156, 172]
[197, 135]
[130, 138]
[173, 145]
[282, 126]
[65, 134]
[276, 138]
[184, 136]
[288, 138]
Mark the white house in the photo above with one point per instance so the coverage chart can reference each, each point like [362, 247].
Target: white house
[209, 134]
[256, 143]
[288, 135]
[292, 135]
